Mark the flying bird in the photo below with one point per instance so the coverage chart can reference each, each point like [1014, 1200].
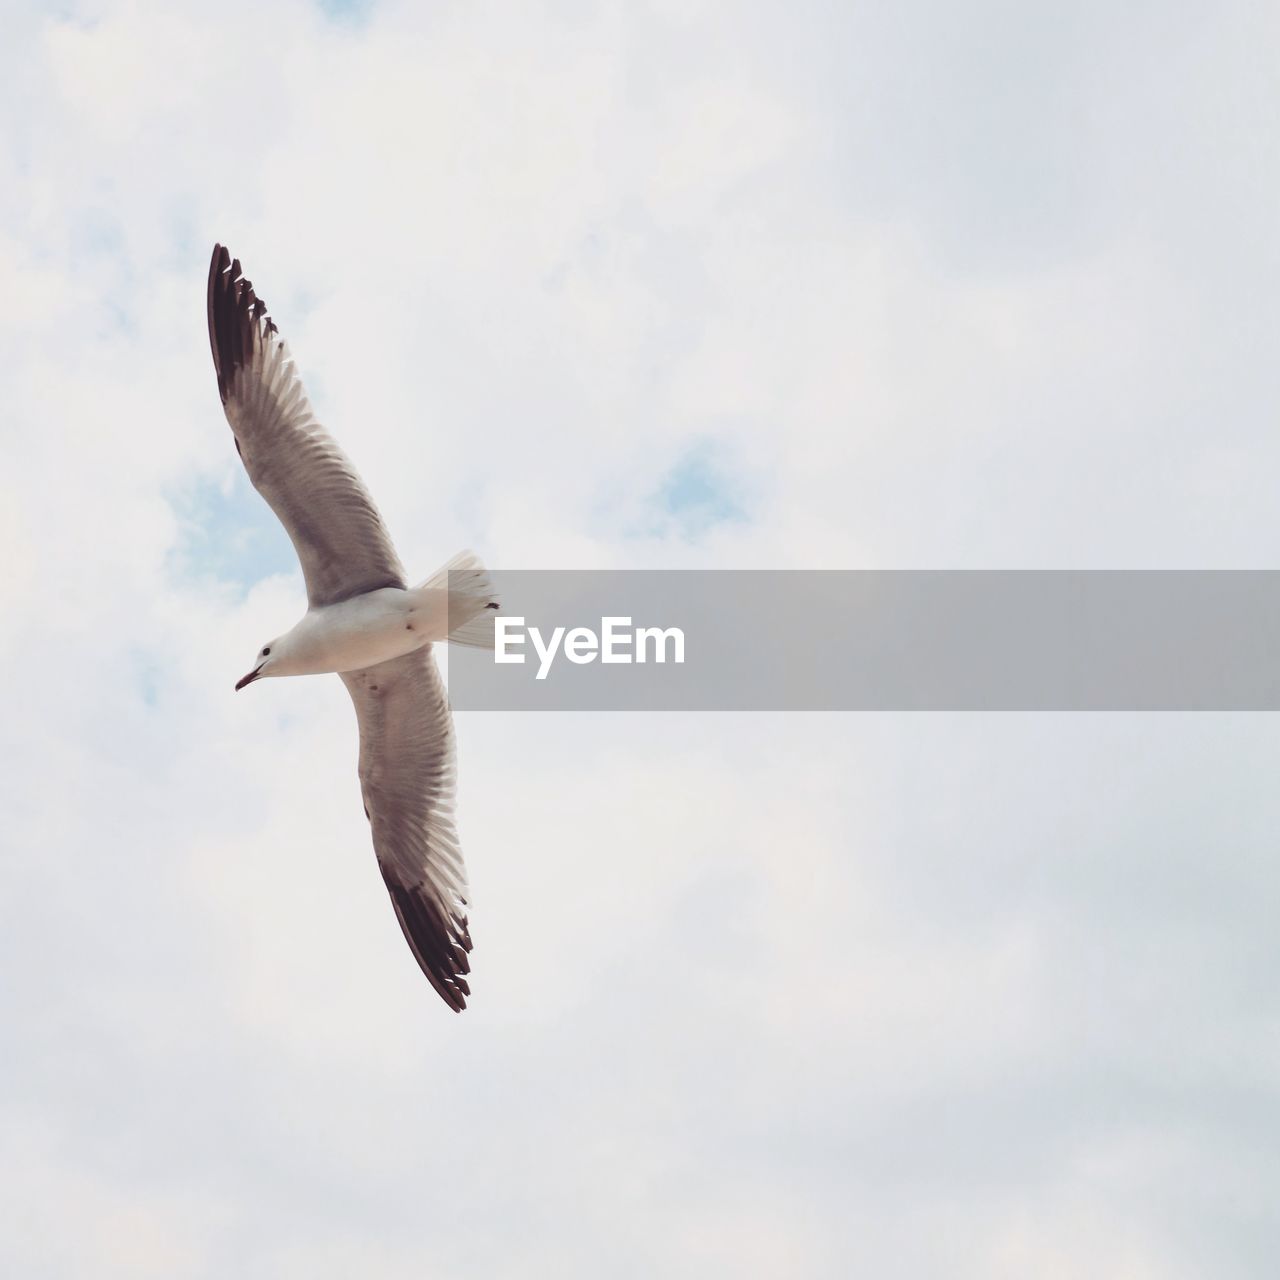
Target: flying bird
[363, 621]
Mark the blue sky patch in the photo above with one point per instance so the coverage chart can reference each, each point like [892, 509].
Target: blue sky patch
[230, 534]
[350, 12]
[700, 492]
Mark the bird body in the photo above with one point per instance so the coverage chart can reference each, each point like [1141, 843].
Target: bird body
[363, 621]
[369, 629]
[361, 632]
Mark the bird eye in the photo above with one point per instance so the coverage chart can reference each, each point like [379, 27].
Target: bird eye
[266, 651]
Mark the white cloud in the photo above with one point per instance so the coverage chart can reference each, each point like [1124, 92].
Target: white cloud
[755, 995]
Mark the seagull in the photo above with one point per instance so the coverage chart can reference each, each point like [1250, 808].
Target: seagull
[363, 621]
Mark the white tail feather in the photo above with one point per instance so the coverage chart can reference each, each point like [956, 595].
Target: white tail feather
[469, 599]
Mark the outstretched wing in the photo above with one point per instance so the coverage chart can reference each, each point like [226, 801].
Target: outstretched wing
[407, 772]
[310, 484]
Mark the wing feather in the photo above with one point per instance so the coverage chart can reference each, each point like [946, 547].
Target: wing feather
[407, 775]
[307, 480]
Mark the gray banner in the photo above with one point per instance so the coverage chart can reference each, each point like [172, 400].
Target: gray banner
[877, 641]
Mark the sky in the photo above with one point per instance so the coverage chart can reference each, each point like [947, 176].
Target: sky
[644, 285]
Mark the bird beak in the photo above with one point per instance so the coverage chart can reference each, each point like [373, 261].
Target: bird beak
[249, 679]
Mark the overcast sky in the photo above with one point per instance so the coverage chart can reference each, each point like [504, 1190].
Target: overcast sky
[635, 285]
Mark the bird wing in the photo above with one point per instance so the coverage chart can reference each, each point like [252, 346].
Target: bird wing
[310, 484]
[407, 772]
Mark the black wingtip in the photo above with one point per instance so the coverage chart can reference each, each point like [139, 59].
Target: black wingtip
[439, 942]
[238, 318]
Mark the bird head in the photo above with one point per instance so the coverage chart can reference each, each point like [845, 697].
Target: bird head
[268, 656]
